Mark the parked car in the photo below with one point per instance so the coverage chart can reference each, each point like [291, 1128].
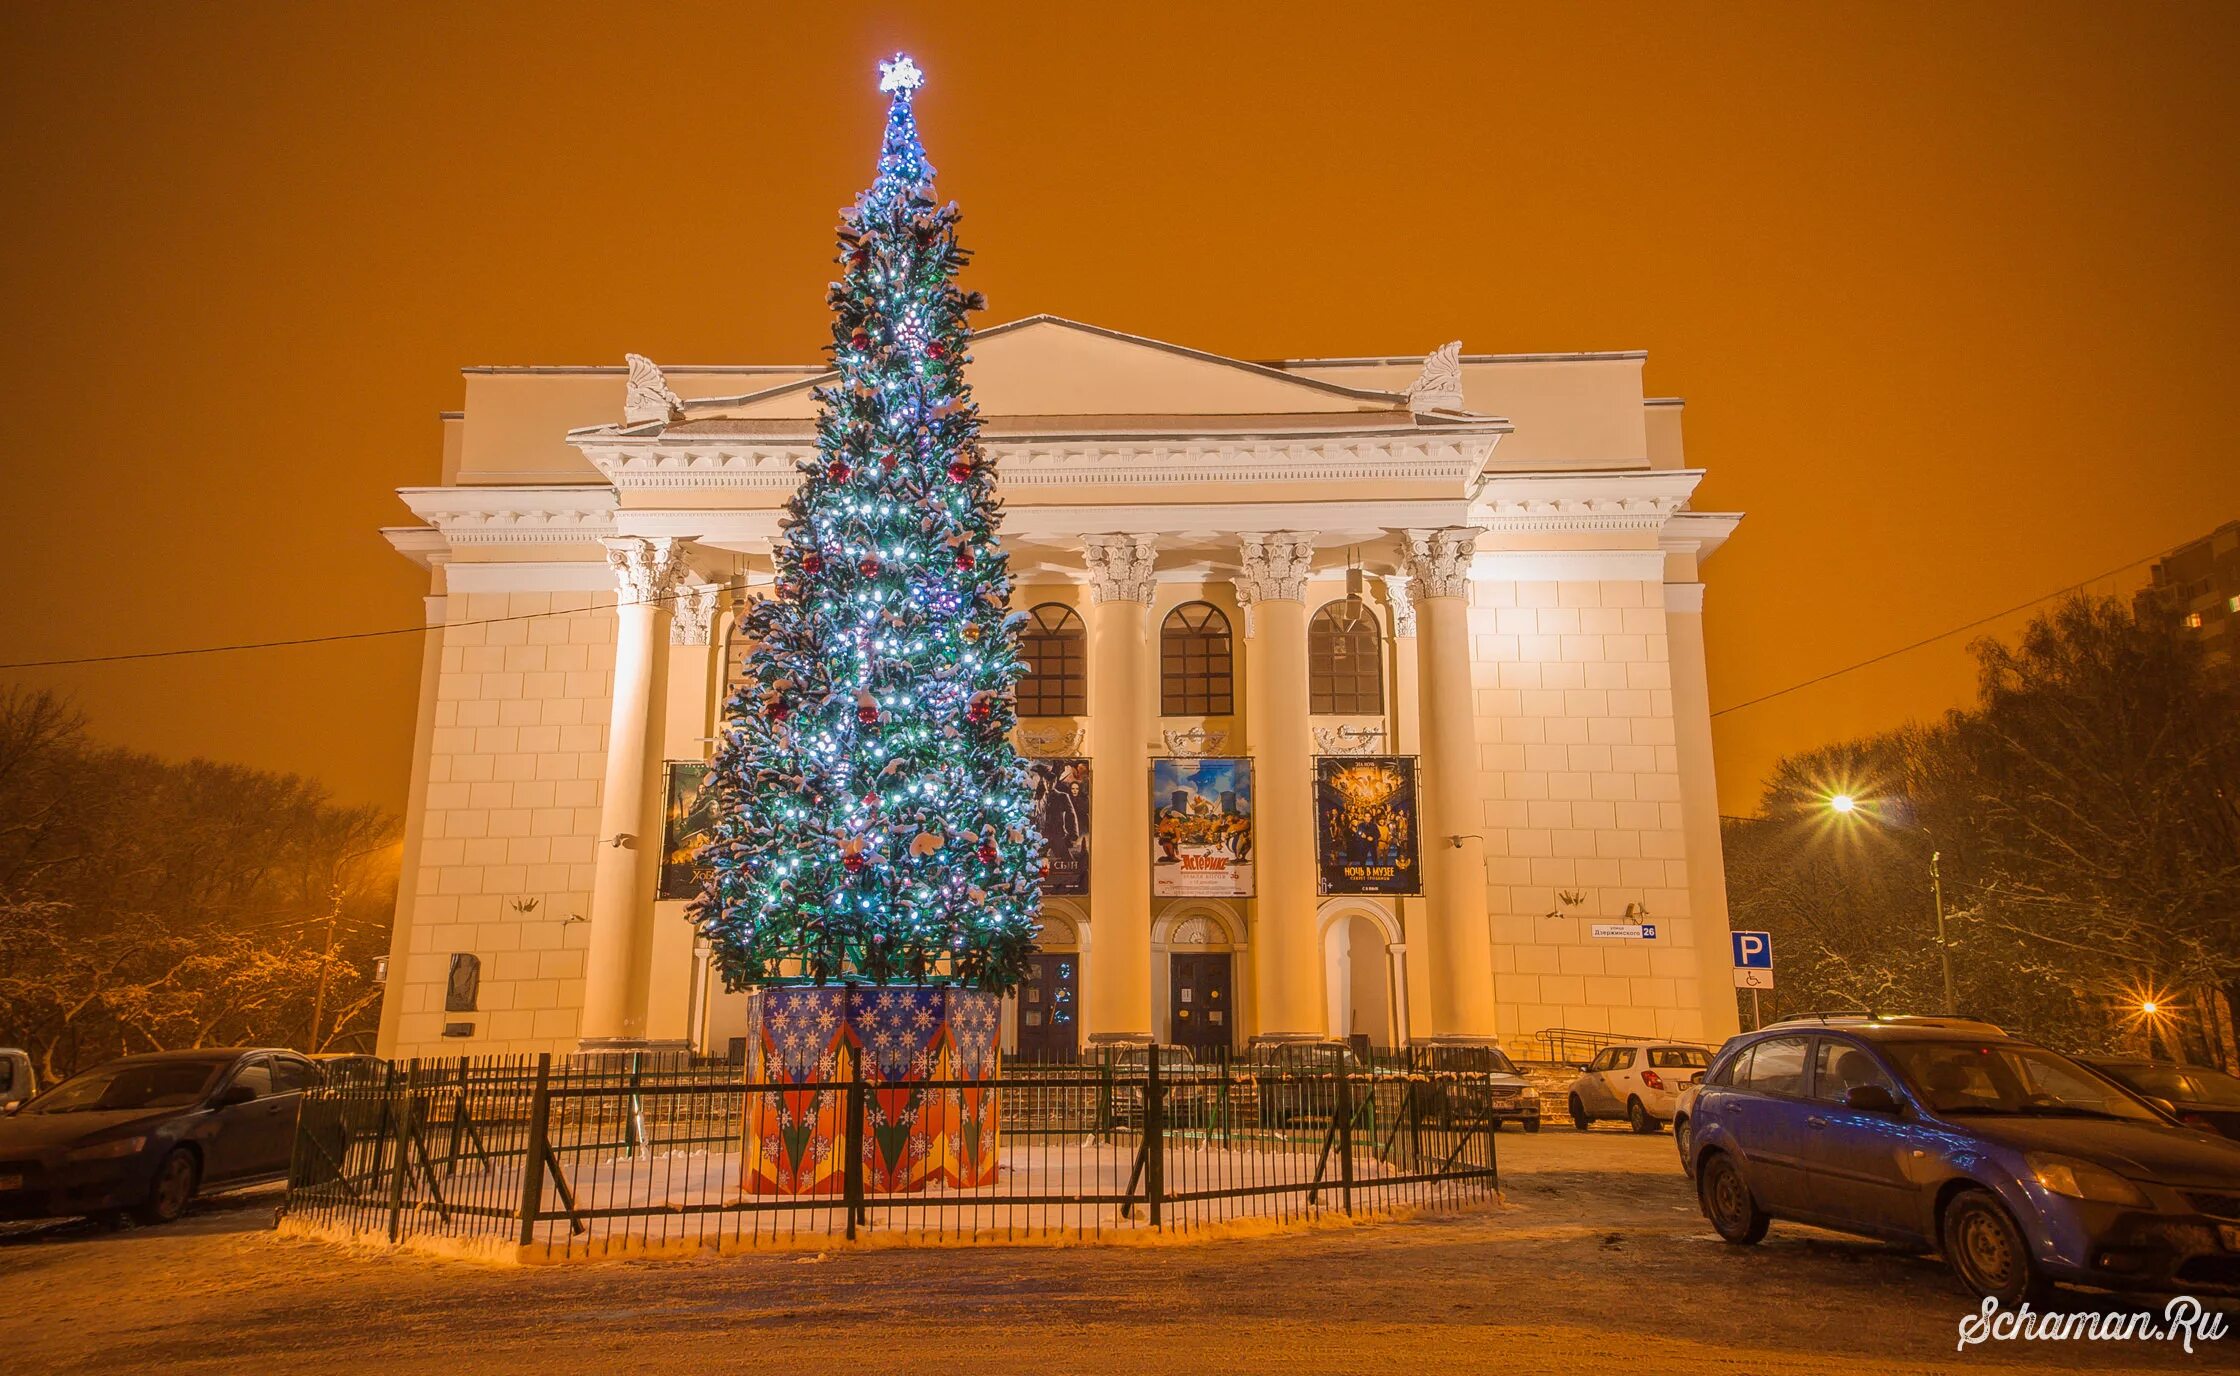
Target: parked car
[147, 1133]
[2023, 1167]
[1683, 1121]
[1639, 1081]
[1294, 1081]
[2199, 1095]
[349, 1068]
[18, 1082]
[1495, 1089]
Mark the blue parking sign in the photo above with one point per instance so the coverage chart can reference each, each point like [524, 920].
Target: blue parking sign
[1753, 950]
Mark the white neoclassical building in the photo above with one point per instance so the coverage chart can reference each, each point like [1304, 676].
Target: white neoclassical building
[1487, 563]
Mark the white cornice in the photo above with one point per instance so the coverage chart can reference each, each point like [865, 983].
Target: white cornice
[514, 515]
[642, 462]
[1626, 500]
[1699, 533]
[423, 545]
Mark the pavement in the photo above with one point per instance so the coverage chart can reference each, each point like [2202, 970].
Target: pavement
[1596, 1259]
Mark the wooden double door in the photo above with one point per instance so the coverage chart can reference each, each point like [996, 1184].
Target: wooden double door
[1049, 999]
[1201, 998]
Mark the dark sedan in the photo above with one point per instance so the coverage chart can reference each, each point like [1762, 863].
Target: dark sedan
[2199, 1096]
[144, 1134]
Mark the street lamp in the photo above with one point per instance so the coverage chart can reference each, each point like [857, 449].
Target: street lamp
[1844, 805]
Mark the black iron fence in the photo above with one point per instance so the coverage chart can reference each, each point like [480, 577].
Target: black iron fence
[645, 1154]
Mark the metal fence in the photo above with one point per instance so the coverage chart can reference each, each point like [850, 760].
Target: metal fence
[642, 1154]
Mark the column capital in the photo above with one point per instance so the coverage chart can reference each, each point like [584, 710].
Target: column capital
[1121, 567]
[1276, 565]
[1439, 560]
[1399, 602]
[646, 568]
[695, 619]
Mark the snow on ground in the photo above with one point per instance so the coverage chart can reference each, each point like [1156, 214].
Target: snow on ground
[1049, 1190]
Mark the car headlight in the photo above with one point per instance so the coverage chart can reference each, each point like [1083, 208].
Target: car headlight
[107, 1151]
[2067, 1175]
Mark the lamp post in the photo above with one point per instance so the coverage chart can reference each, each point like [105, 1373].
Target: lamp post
[1844, 805]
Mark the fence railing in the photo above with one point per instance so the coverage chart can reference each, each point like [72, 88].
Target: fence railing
[642, 1153]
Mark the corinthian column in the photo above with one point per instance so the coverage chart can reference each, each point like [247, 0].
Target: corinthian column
[1116, 958]
[1286, 950]
[1460, 960]
[619, 961]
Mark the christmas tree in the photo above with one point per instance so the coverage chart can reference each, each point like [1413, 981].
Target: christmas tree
[872, 817]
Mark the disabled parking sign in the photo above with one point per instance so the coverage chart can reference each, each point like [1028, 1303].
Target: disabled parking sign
[1752, 950]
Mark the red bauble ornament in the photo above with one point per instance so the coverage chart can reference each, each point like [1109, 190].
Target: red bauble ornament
[851, 863]
[839, 472]
[868, 715]
[869, 568]
[887, 461]
[861, 339]
[812, 562]
[988, 854]
[937, 349]
[959, 470]
[964, 558]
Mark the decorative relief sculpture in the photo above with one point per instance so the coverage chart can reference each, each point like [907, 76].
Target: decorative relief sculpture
[645, 569]
[695, 607]
[1195, 741]
[1121, 567]
[1348, 739]
[647, 395]
[1051, 741]
[1439, 560]
[1439, 386]
[1277, 564]
[1398, 600]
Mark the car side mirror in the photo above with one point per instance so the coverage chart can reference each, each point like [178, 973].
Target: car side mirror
[1870, 1099]
[2163, 1104]
[233, 1096]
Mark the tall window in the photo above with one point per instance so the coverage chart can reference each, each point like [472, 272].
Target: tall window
[1055, 647]
[1345, 661]
[1197, 675]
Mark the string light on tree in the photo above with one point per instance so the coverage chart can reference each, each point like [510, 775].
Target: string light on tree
[871, 816]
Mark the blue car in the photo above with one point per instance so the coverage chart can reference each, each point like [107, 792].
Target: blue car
[2023, 1167]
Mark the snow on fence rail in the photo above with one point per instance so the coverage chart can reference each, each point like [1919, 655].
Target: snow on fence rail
[631, 1154]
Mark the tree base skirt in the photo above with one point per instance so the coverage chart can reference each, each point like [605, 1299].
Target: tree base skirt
[913, 1137]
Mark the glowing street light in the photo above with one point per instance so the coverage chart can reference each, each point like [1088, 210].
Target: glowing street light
[1845, 805]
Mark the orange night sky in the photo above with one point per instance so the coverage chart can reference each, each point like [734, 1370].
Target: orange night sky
[1949, 288]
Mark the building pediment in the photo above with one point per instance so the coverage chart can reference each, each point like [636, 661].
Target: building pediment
[1048, 373]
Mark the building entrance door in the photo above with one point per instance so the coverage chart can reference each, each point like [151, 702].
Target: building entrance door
[1203, 1019]
[1047, 1004]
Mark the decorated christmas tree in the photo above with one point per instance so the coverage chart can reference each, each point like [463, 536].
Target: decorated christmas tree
[872, 816]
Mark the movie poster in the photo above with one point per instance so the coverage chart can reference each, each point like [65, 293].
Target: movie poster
[1365, 824]
[1061, 814]
[1201, 828]
[688, 818]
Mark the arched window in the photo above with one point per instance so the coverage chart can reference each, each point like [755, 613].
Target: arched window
[1055, 647]
[1197, 673]
[1345, 661]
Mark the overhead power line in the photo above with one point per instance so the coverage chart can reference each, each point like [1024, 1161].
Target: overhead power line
[334, 638]
[1945, 634]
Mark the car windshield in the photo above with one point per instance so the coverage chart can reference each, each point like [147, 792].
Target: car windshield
[1963, 1078]
[148, 1084]
[1678, 1057]
[2192, 1085]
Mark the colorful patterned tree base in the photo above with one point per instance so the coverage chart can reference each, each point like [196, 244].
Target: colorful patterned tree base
[913, 1137]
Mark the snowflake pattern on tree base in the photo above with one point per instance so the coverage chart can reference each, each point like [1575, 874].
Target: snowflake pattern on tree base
[913, 1137]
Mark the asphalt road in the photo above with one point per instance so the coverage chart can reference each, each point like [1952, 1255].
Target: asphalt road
[1596, 1259]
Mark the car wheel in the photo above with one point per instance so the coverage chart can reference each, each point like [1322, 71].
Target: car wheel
[1988, 1252]
[1681, 1144]
[1579, 1118]
[1725, 1198]
[1531, 1125]
[173, 1188]
[1640, 1119]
